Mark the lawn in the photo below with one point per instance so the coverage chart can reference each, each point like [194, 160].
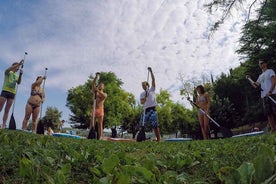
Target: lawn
[32, 158]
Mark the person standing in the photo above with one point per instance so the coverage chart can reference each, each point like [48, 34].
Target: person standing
[203, 101]
[33, 104]
[267, 82]
[9, 88]
[148, 100]
[99, 96]
[60, 125]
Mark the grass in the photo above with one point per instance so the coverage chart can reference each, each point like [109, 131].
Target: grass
[32, 158]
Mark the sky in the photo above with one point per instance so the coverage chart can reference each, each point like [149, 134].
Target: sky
[74, 39]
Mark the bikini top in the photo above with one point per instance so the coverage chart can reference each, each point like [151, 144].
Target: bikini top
[202, 99]
[35, 92]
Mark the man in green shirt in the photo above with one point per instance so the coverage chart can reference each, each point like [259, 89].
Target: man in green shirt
[9, 88]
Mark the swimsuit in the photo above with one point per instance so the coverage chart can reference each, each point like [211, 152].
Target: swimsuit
[33, 106]
[34, 92]
[99, 112]
[201, 99]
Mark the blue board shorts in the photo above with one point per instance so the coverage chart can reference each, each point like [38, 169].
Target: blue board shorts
[150, 115]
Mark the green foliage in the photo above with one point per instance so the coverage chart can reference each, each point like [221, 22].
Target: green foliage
[261, 169]
[173, 117]
[52, 117]
[47, 159]
[118, 105]
[233, 98]
[259, 35]
[79, 101]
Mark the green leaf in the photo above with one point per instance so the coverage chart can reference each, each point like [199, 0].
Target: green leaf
[271, 180]
[246, 171]
[25, 167]
[95, 171]
[110, 163]
[229, 175]
[122, 178]
[264, 167]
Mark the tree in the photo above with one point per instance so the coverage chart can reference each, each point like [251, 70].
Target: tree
[259, 36]
[226, 8]
[173, 117]
[79, 101]
[118, 105]
[52, 117]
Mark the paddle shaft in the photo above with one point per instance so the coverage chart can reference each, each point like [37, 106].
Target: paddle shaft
[43, 88]
[209, 117]
[253, 83]
[204, 112]
[93, 114]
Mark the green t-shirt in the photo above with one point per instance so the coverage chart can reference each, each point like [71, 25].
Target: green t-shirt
[10, 82]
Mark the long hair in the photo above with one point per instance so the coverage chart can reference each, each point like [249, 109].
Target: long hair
[201, 89]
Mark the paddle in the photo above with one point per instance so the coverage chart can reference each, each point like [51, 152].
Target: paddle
[225, 132]
[12, 123]
[92, 131]
[40, 125]
[141, 136]
[258, 87]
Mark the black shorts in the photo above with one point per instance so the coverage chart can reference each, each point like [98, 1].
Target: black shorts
[269, 105]
[7, 95]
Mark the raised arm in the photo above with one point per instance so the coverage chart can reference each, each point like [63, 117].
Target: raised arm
[94, 85]
[152, 77]
[14, 67]
[20, 76]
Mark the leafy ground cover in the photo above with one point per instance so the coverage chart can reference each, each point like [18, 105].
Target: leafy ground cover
[31, 158]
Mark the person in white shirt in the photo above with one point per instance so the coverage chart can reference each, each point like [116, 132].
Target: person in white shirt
[267, 82]
[148, 100]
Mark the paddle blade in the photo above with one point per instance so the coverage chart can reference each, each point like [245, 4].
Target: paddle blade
[141, 135]
[40, 127]
[92, 134]
[12, 124]
[226, 132]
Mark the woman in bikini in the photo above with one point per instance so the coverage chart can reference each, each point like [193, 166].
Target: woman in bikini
[100, 96]
[203, 101]
[33, 104]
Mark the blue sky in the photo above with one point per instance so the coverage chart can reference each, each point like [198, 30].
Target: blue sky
[75, 39]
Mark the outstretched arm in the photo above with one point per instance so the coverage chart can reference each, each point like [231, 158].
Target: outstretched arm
[254, 84]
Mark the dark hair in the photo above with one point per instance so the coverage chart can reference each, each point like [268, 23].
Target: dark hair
[200, 88]
[263, 59]
[38, 77]
[145, 83]
[14, 63]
